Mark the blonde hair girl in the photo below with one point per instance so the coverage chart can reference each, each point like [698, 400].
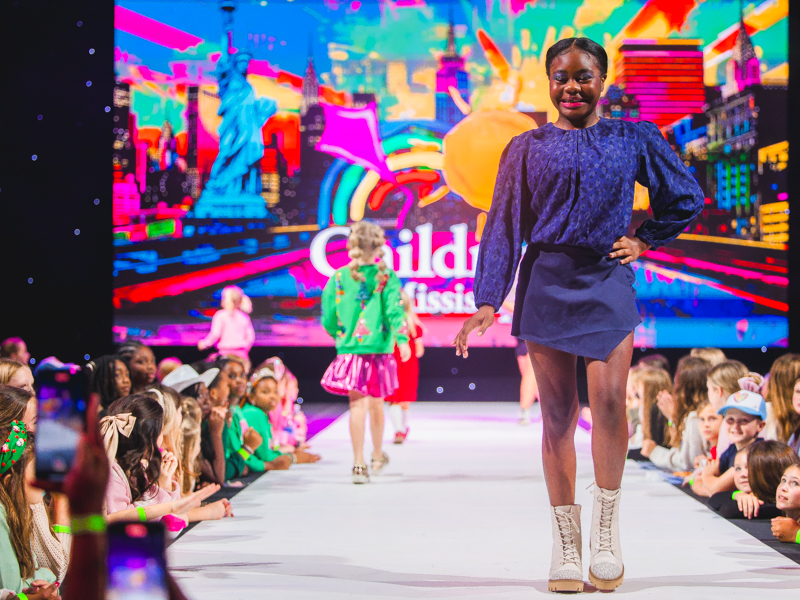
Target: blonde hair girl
[723, 380]
[16, 374]
[782, 377]
[190, 428]
[364, 244]
[362, 312]
[712, 356]
[651, 382]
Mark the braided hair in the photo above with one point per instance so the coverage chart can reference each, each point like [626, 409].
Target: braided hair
[366, 240]
[102, 380]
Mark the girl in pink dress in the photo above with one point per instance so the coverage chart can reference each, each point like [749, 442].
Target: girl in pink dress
[231, 329]
[289, 424]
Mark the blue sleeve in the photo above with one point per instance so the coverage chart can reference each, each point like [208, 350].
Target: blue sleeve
[675, 197]
[509, 224]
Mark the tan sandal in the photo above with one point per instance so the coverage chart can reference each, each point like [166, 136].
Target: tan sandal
[379, 463]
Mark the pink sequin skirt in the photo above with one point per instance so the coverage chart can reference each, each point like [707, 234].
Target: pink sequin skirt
[368, 374]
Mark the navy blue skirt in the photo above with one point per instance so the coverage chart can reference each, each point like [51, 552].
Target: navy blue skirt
[574, 300]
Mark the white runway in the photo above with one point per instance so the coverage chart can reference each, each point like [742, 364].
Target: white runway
[461, 512]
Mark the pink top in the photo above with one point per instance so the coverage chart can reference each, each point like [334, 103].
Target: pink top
[231, 331]
[118, 492]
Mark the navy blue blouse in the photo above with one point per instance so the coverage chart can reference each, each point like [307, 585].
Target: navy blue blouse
[575, 188]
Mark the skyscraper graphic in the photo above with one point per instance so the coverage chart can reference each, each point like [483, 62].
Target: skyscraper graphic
[451, 74]
[313, 164]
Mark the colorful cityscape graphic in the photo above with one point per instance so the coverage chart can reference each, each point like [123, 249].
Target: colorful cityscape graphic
[249, 135]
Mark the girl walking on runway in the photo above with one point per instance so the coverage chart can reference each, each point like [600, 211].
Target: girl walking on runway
[363, 313]
[567, 189]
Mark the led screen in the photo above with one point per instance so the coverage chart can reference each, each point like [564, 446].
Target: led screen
[249, 135]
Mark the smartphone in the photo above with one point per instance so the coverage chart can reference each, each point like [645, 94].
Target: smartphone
[137, 566]
[62, 399]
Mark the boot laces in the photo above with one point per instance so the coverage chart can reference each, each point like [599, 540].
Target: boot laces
[604, 534]
[566, 530]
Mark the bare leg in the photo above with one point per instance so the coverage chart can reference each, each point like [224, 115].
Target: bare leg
[358, 415]
[607, 380]
[376, 425]
[528, 390]
[556, 376]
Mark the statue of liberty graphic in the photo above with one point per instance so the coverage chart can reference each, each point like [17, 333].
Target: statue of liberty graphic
[233, 189]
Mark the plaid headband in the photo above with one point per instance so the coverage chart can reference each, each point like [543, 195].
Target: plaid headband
[12, 450]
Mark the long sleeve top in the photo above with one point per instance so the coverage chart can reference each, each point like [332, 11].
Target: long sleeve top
[51, 549]
[119, 496]
[10, 578]
[681, 459]
[575, 188]
[364, 317]
[259, 420]
[231, 331]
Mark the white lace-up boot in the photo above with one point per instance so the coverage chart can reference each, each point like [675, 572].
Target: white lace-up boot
[605, 570]
[566, 570]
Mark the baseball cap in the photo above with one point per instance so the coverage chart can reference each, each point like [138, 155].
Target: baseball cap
[747, 402]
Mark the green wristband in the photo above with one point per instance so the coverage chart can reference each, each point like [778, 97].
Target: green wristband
[22, 596]
[142, 513]
[88, 524]
[736, 493]
[61, 529]
[244, 453]
[797, 538]
[691, 480]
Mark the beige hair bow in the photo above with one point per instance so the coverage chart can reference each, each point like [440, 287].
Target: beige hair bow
[111, 427]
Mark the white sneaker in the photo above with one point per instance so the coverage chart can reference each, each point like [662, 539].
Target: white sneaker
[566, 570]
[525, 416]
[606, 570]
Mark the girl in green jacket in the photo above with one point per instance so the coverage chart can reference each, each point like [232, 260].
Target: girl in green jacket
[363, 313]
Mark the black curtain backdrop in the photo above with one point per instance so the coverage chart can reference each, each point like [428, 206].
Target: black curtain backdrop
[66, 309]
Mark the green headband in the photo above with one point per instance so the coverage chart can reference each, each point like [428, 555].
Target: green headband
[12, 450]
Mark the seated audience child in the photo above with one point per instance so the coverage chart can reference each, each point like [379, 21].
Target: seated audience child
[190, 459]
[713, 356]
[109, 378]
[15, 349]
[167, 366]
[766, 462]
[16, 399]
[289, 424]
[187, 381]
[723, 380]
[782, 417]
[734, 505]
[18, 566]
[141, 363]
[744, 413]
[16, 374]
[655, 361]
[650, 383]
[683, 442]
[710, 425]
[262, 397]
[794, 440]
[633, 406]
[787, 527]
[240, 440]
[140, 475]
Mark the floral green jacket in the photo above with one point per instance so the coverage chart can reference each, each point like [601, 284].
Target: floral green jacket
[364, 317]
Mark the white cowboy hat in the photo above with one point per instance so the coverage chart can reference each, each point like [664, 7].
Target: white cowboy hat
[185, 376]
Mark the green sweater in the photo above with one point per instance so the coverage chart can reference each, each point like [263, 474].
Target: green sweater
[259, 420]
[364, 317]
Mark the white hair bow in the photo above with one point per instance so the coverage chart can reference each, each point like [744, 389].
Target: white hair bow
[111, 427]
